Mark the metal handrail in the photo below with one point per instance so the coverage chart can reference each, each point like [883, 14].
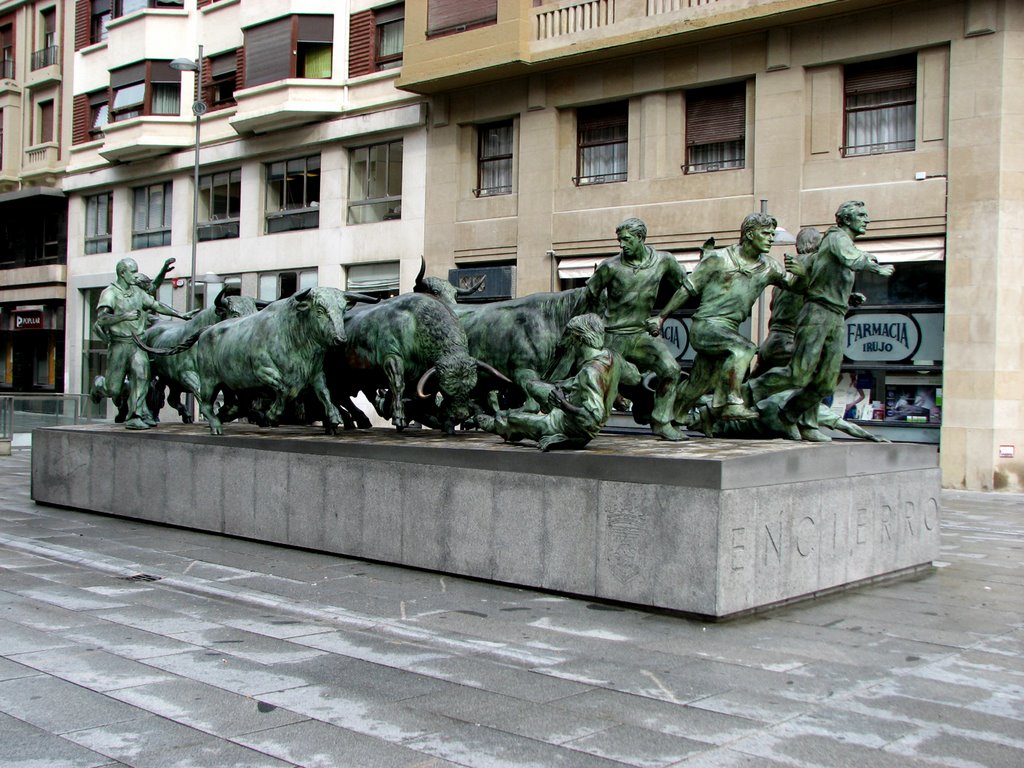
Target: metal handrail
[22, 412]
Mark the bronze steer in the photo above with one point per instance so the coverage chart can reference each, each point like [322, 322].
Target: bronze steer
[178, 372]
[400, 344]
[520, 337]
[279, 349]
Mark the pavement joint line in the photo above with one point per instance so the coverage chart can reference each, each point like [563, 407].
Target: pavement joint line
[334, 615]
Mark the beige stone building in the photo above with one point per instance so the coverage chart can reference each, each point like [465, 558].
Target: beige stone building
[552, 120]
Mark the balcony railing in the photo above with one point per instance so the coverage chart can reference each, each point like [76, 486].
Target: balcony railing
[654, 7]
[46, 57]
[567, 18]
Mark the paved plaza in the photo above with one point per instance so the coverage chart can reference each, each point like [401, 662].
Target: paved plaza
[123, 643]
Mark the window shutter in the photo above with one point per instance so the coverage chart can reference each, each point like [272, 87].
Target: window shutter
[360, 43]
[161, 72]
[82, 21]
[452, 15]
[80, 119]
[268, 54]
[316, 29]
[240, 69]
[885, 75]
[716, 114]
[133, 73]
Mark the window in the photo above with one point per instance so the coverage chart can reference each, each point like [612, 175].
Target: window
[222, 72]
[716, 128]
[124, 7]
[294, 46]
[151, 216]
[7, 50]
[99, 18]
[376, 40]
[219, 204]
[99, 113]
[449, 16]
[293, 194]
[97, 222]
[390, 38]
[48, 25]
[494, 169]
[47, 54]
[880, 106]
[44, 115]
[601, 140]
[375, 183]
[380, 279]
[281, 285]
[145, 88]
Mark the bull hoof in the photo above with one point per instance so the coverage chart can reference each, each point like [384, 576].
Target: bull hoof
[331, 429]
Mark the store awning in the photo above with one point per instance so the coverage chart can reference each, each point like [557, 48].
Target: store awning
[583, 267]
[373, 277]
[903, 249]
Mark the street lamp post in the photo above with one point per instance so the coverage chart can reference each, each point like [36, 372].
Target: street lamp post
[198, 109]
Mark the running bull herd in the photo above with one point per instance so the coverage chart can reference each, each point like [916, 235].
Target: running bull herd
[546, 367]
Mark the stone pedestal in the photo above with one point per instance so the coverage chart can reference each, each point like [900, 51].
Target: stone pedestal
[709, 527]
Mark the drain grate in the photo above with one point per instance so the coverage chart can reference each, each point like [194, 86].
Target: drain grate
[141, 577]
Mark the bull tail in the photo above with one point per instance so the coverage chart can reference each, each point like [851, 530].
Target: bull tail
[167, 351]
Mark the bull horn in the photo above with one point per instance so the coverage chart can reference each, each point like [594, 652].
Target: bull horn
[366, 299]
[476, 286]
[490, 369]
[262, 303]
[648, 382]
[303, 295]
[421, 385]
[418, 286]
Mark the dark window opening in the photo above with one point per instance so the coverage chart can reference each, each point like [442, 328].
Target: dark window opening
[880, 106]
[602, 143]
[716, 128]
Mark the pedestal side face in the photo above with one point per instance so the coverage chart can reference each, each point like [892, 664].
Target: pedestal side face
[651, 540]
[781, 542]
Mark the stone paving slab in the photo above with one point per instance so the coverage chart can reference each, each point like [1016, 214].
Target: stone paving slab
[243, 654]
[25, 746]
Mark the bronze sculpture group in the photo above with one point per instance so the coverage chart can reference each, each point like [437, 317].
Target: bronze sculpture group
[542, 367]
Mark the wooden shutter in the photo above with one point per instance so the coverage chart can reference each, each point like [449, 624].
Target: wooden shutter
[361, 29]
[716, 114]
[315, 29]
[83, 18]
[268, 52]
[80, 112]
[452, 15]
[240, 69]
[883, 75]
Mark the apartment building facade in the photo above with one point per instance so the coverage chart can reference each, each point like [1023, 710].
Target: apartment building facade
[310, 161]
[34, 115]
[553, 120]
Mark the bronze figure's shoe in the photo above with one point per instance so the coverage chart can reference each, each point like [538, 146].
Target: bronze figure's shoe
[814, 435]
[668, 432]
[136, 423]
[738, 412]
